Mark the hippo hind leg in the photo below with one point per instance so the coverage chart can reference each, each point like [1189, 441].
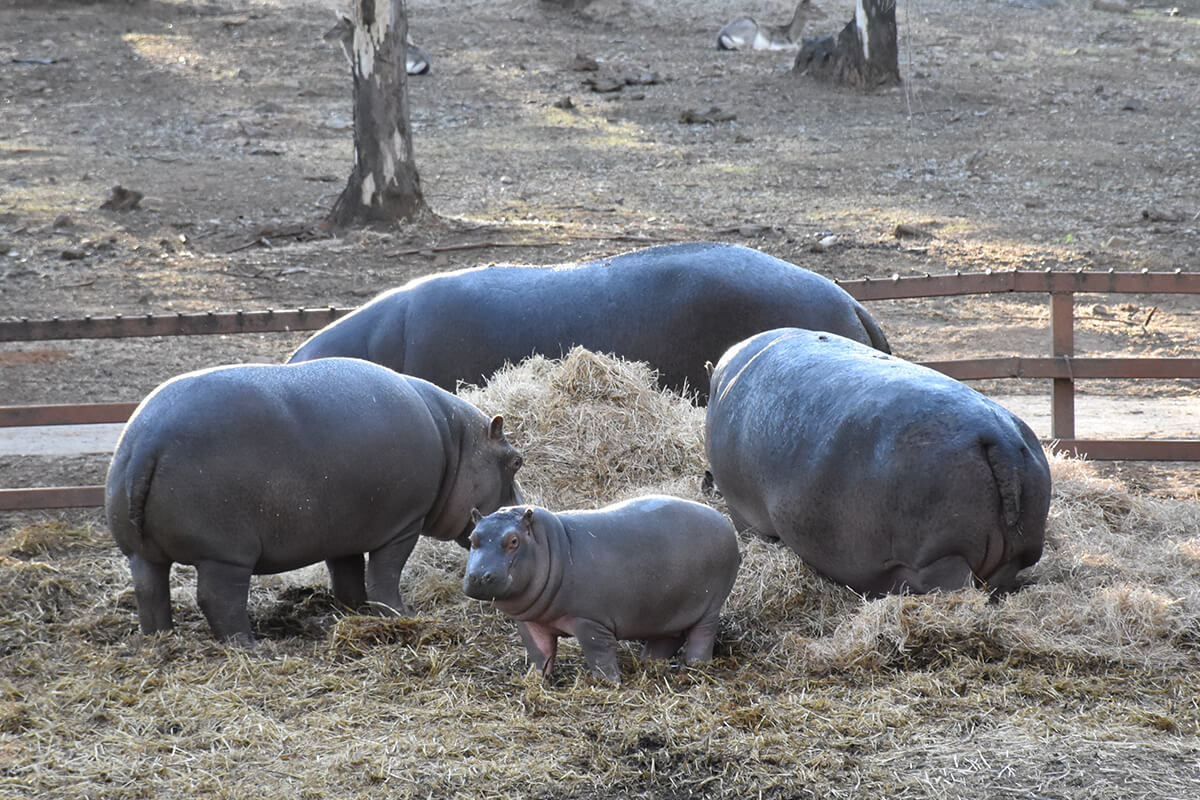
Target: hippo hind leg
[702, 636]
[599, 647]
[152, 588]
[346, 580]
[662, 648]
[947, 573]
[222, 592]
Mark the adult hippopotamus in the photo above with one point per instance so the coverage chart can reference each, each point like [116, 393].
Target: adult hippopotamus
[654, 568]
[881, 474]
[676, 307]
[256, 469]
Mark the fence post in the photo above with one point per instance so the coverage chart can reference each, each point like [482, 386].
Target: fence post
[1062, 345]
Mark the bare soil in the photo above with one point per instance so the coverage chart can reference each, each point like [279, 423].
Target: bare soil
[1061, 137]
[1027, 134]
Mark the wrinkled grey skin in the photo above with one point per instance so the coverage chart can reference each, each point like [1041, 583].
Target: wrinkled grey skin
[676, 307]
[257, 469]
[881, 474]
[655, 568]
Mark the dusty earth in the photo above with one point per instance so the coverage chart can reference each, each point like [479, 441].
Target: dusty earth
[1026, 135]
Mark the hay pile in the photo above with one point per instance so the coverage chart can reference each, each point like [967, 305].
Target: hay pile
[1082, 684]
[595, 430]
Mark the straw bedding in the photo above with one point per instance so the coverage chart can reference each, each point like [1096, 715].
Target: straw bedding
[1082, 684]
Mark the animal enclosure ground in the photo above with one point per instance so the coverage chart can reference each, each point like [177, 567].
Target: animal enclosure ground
[1024, 136]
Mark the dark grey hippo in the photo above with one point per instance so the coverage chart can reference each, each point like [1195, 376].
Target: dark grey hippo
[655, 568]
[256, 469]
[881, 474]
[676, 307]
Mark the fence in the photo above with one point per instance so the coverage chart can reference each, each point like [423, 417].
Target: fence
[1062, 367]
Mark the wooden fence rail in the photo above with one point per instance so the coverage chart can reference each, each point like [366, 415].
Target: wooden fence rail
[1061, 366]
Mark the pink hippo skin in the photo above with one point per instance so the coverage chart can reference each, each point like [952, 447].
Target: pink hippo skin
[656, 569]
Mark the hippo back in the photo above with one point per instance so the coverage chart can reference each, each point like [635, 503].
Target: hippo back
[675, 307]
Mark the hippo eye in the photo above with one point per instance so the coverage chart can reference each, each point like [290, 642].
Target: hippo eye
[511, 542]
[474, 541]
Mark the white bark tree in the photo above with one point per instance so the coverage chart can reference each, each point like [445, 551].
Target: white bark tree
[864, 54]
[384, 186]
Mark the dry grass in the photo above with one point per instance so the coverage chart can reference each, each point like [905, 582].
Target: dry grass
[1083, 684]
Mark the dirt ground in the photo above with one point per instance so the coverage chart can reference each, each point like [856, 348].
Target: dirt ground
[1026, 135]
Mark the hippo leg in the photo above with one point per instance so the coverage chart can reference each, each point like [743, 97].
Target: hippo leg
[222, 591]
[947, 573]
[383, 572]
[702, 636]
[599, 647]
[663, 648]
[1004, 577]
[540, 645]
[152, 588]
[346, 580]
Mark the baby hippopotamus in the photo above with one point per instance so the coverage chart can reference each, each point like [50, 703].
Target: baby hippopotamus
[653, 568]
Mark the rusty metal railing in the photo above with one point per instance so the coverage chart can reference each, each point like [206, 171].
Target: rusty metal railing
[1061, 366]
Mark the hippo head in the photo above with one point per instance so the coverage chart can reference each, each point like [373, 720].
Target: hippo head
[484, 478]
[503, 556]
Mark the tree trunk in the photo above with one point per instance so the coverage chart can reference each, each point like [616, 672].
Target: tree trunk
[865, 54]
[384, 186]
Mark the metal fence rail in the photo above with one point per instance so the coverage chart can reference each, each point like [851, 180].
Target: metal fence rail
[1061, 366]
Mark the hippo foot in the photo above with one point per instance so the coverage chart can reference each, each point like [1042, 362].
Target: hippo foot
[396, 608]
[241, 641]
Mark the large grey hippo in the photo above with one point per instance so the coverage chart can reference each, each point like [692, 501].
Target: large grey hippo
[654, 568]
[255, 469]
[676, 307]
[881, 474]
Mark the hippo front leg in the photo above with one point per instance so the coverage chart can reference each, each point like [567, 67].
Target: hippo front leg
[383, 572]
[347, 581]
[152, 588]
[223, 593]
[541, 644]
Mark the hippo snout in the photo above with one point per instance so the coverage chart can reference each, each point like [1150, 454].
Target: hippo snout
[484, 584]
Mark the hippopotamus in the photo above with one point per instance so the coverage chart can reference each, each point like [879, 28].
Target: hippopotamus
[881, 474]
[253, 469]
[654, 568]
[676, 307]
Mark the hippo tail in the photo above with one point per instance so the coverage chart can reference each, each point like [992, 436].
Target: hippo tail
[1014, 472]
[874, 332]
[125, 499]
[1007, 475]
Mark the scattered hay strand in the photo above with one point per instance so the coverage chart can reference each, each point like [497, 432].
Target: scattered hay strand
[1081, 684]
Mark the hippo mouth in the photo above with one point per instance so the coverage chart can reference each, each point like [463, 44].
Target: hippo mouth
[485, 587]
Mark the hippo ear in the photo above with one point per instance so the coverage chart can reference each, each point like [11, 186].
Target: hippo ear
[527, 520]
[475, 516]
[496, 429]
[708, 368]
